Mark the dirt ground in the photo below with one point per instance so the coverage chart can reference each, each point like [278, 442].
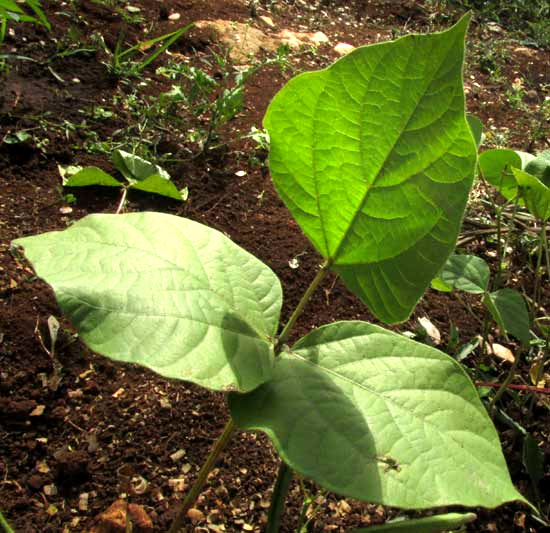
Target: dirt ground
[68, 451]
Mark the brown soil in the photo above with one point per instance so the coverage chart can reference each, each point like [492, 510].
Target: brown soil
[107, 423]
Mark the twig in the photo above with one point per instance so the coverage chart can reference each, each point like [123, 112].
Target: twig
[526, 388]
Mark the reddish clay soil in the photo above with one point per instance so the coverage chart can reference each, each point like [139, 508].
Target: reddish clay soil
[110, 429]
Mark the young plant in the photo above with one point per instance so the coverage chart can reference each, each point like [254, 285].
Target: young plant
[121, 63]
[470, 273]
[374, 158]
[139, 174]
[10, 10]
[524, 179]
[211, 101]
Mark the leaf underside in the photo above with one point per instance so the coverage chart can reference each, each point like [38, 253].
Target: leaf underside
[370, 414]
[374, 158]
[164, 292]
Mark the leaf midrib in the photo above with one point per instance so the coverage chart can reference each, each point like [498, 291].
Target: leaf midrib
[334, 257]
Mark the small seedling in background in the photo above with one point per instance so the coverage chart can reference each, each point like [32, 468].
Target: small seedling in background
[139, 174]
[12, 11]
[52, 381]
[214, 101]
[123, 64]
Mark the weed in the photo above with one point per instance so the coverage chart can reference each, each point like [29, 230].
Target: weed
[13, 11]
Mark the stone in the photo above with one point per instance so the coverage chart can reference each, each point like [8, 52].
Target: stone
[343, 48]
[113, 520]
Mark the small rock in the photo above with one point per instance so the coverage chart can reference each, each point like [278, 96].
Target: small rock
[177, 484]
[343, 48]
[532, 96]
[113, 520]
[267, 21]
[36, 482]
[71, 466]
[50, 490]
[195, 515]
[165, 403]
[174, 16]
[176, 456]
[83, 501]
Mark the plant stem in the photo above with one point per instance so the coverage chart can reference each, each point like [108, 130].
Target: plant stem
[301, 304]
[524, 388]
[197, 487]
[507, 381]
[536, 290]
[122, 201]
[285, 474]
[5, 525]
[282, 484]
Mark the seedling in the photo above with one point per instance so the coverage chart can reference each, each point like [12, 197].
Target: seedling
[139, 174]
[211, 101]
[374, 158]
[470, 274]
[121, 63]
[13, 11]
[524, 179]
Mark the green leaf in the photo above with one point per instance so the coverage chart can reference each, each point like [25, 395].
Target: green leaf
[370, 414]
[158, 184]
[374, 158]
[509, 311]
[476, 127]
[10, 5]
[164, 292]
[135, 168]
[534, 193]
[540, 167]
[90, 176]
[496, 167]
[533, 459]
[467, 273]
[429, 524]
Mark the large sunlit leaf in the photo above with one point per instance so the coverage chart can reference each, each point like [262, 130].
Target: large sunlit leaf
[465, 273]
[164, 292]
[510, 312]
[373, 415]
[374, 158]
[429, 524]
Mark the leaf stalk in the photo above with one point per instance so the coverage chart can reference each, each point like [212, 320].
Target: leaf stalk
[196, 489]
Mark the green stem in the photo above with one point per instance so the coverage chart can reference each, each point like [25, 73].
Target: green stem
[196, 489]
[536, 291]
[4, 523]
[301, 305]
[506, 382]
[282, 484]
[496, 280]
[285, 474]
[122, 202]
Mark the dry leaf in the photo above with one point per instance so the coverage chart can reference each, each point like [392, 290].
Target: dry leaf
[38, 410]
[501, 352]
[431, 330]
